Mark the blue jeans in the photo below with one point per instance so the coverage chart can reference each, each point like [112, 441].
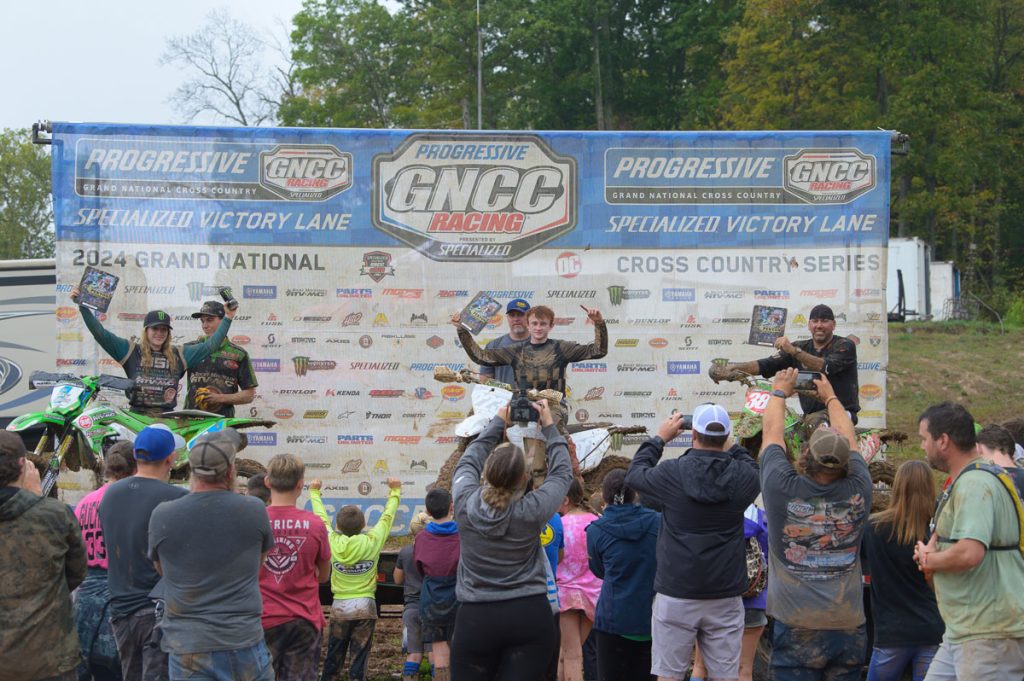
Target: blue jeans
[888, 664]
[812, 655]
[252, 664]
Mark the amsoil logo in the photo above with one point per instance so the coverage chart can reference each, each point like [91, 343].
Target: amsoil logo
[472, 198]
[828, 175]
[313, 172]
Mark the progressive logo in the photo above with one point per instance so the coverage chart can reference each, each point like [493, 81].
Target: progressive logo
[474, 198]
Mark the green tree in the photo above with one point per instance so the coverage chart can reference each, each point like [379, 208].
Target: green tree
[26, 210]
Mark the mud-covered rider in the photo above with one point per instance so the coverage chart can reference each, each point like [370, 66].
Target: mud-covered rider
[825, 352]
[156, 364]
[224, 379]
[540, 363]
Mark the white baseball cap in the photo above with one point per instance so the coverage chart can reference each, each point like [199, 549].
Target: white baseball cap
[704, 415]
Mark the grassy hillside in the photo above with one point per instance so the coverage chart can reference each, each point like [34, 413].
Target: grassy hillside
[973, 364]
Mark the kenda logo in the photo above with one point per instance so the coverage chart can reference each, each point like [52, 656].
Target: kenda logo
[264, 292]
[679, 295]
[684, 367]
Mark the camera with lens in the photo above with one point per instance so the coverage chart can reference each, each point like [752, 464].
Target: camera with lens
[520, 410]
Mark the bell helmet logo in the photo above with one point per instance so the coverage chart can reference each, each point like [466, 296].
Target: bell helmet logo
[459, 198]
[823, 176]
[313, 172]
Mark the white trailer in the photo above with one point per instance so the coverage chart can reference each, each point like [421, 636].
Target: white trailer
[28, 290]
[912, 258]
[944, 283]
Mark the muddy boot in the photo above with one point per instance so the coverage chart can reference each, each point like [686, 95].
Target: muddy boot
[536, 459]
[442, 674]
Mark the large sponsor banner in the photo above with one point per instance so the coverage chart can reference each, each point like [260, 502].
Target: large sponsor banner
[349, 251]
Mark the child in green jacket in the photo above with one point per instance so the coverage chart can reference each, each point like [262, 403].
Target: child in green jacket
[354, 558]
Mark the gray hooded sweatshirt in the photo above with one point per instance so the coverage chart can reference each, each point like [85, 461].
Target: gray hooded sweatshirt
[501, 555]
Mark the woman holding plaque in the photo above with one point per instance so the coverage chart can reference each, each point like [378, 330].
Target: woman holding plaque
[154, 362]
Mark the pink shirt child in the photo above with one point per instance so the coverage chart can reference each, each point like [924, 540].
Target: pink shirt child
[288, 580]
[578, 588]
[87, 512]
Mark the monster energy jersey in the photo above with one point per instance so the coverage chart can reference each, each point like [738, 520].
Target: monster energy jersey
[226, 371]
[539, 366]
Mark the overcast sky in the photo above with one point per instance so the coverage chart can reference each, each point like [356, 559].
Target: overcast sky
[98, 60]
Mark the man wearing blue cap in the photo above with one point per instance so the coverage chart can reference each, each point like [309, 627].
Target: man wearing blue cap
[124, 516]
[515, 313]
[701, 552]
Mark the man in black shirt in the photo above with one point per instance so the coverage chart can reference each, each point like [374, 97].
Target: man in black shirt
[835, 356]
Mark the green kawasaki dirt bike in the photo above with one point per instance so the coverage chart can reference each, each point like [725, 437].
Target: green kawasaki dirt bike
[77, 429]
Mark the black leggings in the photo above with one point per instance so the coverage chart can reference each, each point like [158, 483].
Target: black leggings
[503, 640]
[620, 659]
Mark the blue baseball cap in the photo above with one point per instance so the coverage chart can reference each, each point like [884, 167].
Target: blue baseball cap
[519, 305]
[154, 444]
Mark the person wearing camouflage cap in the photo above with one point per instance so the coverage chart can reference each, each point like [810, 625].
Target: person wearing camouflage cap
[226, 377]
[154, 362]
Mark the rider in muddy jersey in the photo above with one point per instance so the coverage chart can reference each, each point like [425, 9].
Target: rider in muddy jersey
[539, 363]
[227, 374]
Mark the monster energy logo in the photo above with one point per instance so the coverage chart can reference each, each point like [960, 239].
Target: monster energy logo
[619, 293]
[197, 290]
[304, 365]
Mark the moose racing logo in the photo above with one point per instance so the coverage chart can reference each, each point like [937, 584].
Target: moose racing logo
[473, 198]
[829, 175]
[305, 172]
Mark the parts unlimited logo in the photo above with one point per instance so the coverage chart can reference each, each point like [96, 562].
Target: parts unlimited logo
[312, 172]
[474, 197]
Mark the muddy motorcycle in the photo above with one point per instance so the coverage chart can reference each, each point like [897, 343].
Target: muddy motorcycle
[747, 424]
[592, 445]
[78, 427]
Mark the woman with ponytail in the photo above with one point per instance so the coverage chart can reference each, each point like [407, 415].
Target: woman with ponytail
[621, 545]
[504, 627]
[156, 364]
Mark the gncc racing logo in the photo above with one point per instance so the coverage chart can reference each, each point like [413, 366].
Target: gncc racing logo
[472, 198]
[305, 172]
[829, 175]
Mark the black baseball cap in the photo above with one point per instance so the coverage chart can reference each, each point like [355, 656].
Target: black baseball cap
[822, 312]
[210, 308]
[157, 318]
